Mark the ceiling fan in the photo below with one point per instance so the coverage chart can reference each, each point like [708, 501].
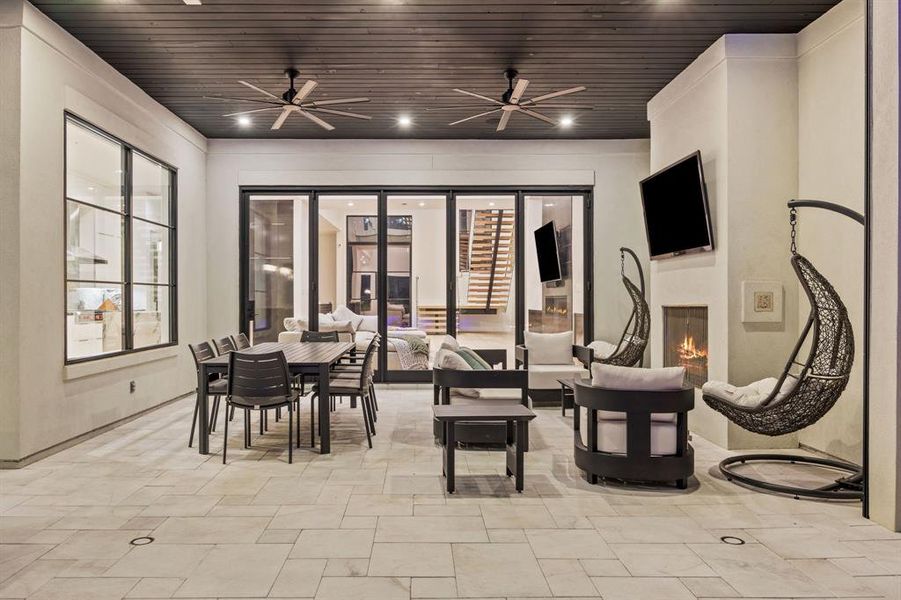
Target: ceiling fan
[512, 101]
[293, 101]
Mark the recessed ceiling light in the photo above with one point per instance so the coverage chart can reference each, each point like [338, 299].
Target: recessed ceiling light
[244, 121]
[404, 121]
[350, 203]
[491, 204]
[422, 204]
[566, 121]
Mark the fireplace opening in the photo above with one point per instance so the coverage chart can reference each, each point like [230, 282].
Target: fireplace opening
[685, 341]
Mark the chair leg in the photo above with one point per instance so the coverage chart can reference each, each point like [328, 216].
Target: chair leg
[290, 433]
[231, 416]
[194, 420]
[262, 422]
[375, 402]
[225, 437]
[214, 416]
[366, 423]
[365, 401]
[297, 426]
[246, 428]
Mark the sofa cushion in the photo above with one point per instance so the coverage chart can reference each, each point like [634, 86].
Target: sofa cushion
[448, 359]
[612, 436]
[602, 349]
[544, 377]
[368, 323]
[750, 395]
[342, 313]
[636, 379]
[549, 348]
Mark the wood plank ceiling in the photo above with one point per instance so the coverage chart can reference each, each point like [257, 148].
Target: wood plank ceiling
[408, 55]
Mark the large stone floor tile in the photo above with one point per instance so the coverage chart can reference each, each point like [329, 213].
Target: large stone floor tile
[411, 560]
[236, 570]
[431, 529]
[485, 570]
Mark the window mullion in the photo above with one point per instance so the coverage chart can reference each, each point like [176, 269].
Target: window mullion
[128, 292]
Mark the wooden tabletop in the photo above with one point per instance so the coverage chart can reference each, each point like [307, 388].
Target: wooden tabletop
[504, 412]
[298, 353]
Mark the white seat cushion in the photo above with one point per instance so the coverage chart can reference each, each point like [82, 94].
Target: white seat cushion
[636, 379]
[750, 395]
[612, 436]
[544, 377]
[602, 349]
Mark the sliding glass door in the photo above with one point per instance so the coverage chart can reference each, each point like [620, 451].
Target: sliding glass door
[413, 265]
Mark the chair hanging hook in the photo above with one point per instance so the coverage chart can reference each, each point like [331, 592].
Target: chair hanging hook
[793, 221]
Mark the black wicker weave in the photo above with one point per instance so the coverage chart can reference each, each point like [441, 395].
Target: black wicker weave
[821, 378]
[630, 349]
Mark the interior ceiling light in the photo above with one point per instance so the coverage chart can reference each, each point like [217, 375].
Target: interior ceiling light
[350, 203]
[422, 204]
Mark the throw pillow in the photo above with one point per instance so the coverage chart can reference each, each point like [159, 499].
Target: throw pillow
[602, 349]
[369, 323]
[294, 324]
[475, 361]
[448, 359]
[342, 313]
[449, 342]
[550, 348]
[631, 378]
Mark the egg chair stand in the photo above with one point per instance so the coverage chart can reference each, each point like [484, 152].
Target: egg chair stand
[630, 349]
[820, 380]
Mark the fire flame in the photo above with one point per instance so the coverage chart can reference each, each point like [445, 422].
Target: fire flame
[688, 351]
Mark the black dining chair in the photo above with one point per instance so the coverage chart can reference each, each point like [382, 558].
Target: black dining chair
[356, 386]
[240, 342]
[216, 386]
[352, 368]
[314, 336]
[224, 345]
[261, 382]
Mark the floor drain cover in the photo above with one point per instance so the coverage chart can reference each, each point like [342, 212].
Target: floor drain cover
[732, 540]
[141, 541]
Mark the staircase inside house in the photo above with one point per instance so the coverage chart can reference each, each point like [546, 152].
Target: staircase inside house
[491, 261]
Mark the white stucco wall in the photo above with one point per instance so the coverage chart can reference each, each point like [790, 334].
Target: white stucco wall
[48, 402]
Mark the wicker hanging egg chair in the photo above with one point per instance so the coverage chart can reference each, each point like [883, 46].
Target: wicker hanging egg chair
[630, 349]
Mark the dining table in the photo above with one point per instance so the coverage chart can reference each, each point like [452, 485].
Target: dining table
[314, 359]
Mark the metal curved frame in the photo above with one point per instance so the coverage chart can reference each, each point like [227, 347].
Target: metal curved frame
[843, 488]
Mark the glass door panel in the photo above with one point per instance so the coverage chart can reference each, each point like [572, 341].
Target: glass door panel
[276, 271]
[559, 305]
[416, 277]
[348, 252]
[485, 271]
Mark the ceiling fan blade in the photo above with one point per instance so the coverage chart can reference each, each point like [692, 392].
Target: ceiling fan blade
[504, 118]
[580, 88]
[249, 112]
[316, 120]
[281, 118]
[538, 115]
[260, 90]
[563, 106]
[337, 101]
[475, 116]
[461, 107]
[308, 87]
[519, 90]
[338, 112]
[229, 99]
[479, 96]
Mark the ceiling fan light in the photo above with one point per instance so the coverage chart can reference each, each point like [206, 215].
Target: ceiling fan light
[244, 121]
[404, 120]
[566, 121]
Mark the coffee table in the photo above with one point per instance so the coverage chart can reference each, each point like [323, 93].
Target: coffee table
[517, 418]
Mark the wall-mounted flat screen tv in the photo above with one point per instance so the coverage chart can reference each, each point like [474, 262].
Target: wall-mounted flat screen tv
[548, 256]
[676, 214]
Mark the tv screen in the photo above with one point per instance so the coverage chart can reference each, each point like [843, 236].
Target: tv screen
[548, 258]
[677, 219]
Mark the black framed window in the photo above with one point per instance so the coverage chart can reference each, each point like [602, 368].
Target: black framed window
[120, 246]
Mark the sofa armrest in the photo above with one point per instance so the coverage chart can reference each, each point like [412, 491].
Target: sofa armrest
[493, 356]
[521, 355]
[289, 337]
[583, 354]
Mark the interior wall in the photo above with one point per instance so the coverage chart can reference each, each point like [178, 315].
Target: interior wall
[613, 168]
[831, 132]
[885, 344]
[49, 402]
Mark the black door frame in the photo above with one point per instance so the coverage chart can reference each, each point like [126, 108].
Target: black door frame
[245, 306]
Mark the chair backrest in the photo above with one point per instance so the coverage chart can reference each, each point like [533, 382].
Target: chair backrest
[240, 341]
[258, 375]
[368, 358]
[224, 345]
[201, 352]
[319, 336]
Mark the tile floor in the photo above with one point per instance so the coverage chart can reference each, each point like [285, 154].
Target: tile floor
[376, 524]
